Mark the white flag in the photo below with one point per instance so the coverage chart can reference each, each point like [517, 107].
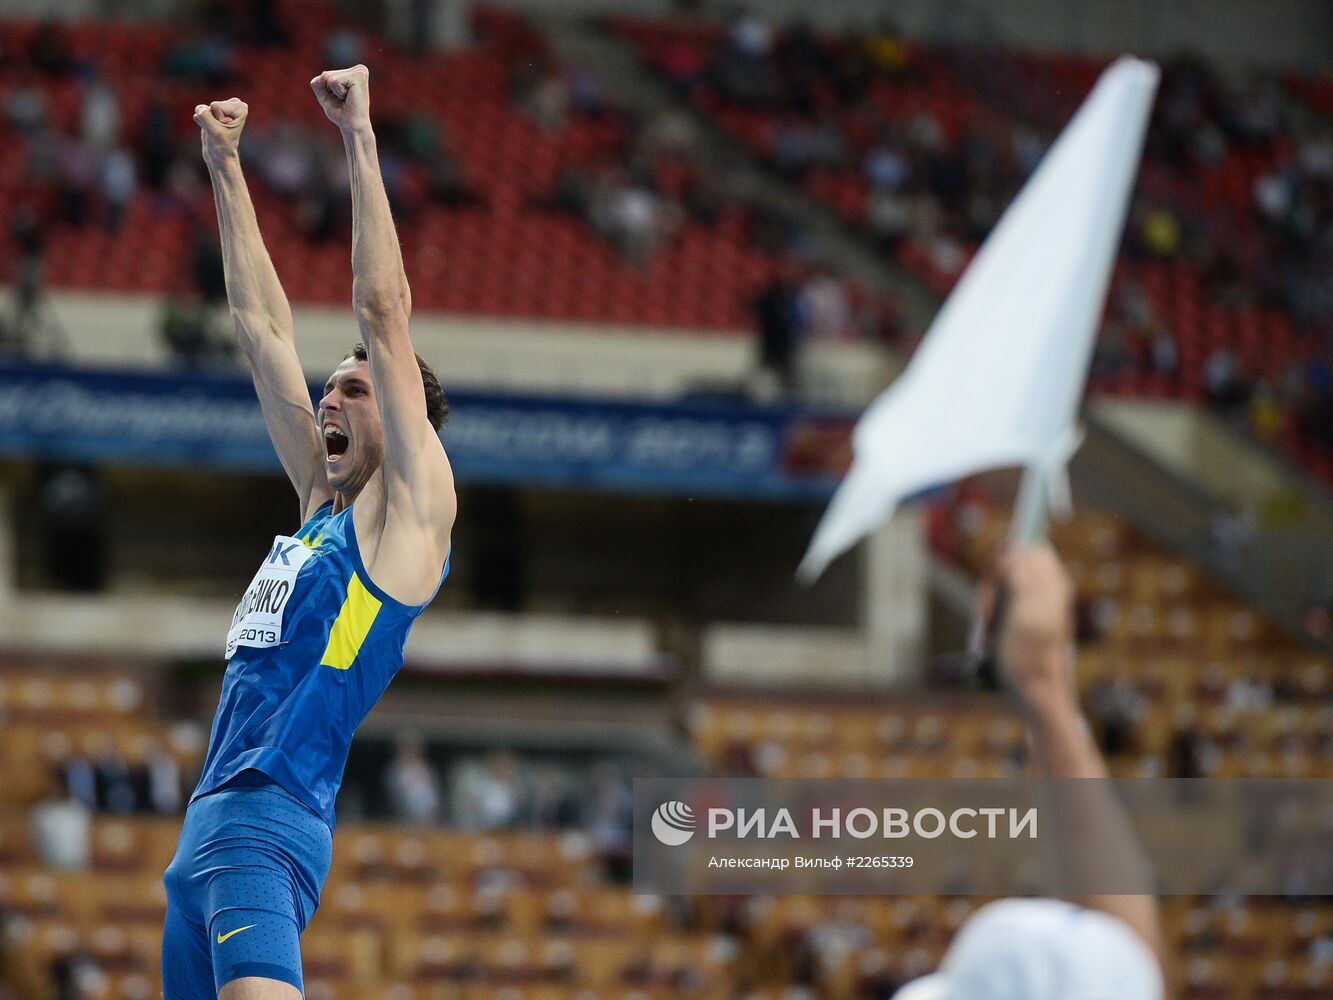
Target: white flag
[997, 380]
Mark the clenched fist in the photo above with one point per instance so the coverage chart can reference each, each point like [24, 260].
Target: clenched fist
[344, 94]
[220, 125]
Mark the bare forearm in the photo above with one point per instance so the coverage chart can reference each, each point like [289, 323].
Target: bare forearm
[258, 304]
[1093, 846]
[379, 283]
[1096, 835]
[1062, 746]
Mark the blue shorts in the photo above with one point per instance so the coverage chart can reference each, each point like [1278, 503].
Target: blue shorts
[244, 883]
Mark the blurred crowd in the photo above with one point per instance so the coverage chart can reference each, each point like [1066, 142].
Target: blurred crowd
[939, 142]
[501, 790]
[101, 778]
[931, 180]
[1202, 724]
[639, 188]
[658, 179]
[478, 790]
[90, 175]
[621, 196]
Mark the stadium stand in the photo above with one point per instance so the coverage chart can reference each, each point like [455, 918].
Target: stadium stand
[520, 188]
[1178, 677]
[1179, 680]
[1216, 297]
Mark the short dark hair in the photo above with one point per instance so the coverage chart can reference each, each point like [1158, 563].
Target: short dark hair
[437, 404]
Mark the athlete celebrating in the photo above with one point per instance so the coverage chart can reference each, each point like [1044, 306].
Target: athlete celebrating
[320, 631]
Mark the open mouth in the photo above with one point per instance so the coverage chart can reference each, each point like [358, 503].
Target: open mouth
[335, 443]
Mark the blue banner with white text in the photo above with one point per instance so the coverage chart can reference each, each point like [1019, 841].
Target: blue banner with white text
[707, 448]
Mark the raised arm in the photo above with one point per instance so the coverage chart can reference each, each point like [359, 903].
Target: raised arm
[1035, 649]
[261, 317]
[418, 482]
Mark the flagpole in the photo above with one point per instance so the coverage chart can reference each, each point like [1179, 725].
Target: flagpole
[1026, 526]
[1029, 521]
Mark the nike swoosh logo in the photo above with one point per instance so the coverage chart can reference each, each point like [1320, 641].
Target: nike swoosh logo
[223, 937]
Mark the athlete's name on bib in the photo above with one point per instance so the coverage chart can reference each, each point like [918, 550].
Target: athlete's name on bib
[258, 618]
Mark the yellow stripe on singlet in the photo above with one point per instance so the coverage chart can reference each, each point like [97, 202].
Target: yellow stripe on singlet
[351, 626]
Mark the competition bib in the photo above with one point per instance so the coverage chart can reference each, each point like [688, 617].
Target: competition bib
[258, 618]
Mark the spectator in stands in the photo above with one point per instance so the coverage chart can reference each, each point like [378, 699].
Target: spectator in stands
[490, 794]
[888, 172]
[778, 324]
[823, 308]
[1165, 356]
[587, 97]
[99, 116]
[547, 100]
[1117, 709]
[164, 783]
[194, 325]
[1111, 355]
[1047, 949]
[74, 771]
[76, 974]
[1249, 694]
[27, 108]
[1233, 529]
[887, 49]
[1159, 233]
[554, 806]
[206, 265]
[118, 187]
[611, 819]
[344, 46]
[413, 783]
[115, 786]
[1223, 381]
[741, 65]
[631, 214]
[76, 181]
[802, 144]
[29, 239]
[287, 158]
[157, 145]
[62, 830]
[823, 948]
[1185, 751]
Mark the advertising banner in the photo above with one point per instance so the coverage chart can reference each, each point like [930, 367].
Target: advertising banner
[692, 448]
